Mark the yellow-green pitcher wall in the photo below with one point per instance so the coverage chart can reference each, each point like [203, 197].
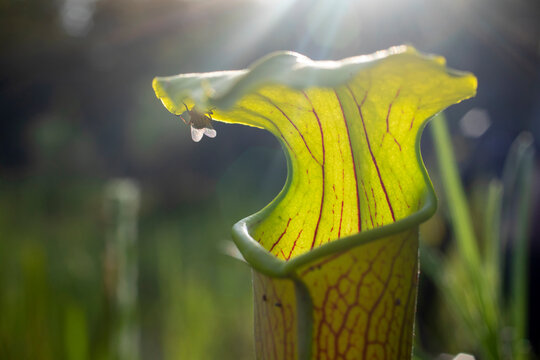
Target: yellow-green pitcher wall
[334, 255]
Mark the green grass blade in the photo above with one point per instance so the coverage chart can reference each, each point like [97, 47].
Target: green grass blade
[456, 201]
[520, 261]
[492, 238]
[509, 179]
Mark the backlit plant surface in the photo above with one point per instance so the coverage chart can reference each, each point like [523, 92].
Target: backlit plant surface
[335, 254]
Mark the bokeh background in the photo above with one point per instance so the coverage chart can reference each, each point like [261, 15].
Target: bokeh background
[114, 224]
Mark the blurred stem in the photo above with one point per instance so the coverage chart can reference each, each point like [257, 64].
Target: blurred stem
[492, 237]
[121, 205]
[520, 263]
[455, 195]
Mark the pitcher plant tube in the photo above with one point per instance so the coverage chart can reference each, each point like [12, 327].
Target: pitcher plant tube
[335, 254]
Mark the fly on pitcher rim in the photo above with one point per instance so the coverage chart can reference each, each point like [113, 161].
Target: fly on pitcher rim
[201, 123]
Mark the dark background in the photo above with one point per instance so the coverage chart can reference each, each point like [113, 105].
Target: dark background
[78, 110]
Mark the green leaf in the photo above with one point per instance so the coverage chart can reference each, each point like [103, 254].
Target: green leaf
[519, 168]
[335, 252]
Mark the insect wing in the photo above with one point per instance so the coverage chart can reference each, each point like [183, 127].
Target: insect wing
[211, 133]
[197, 134]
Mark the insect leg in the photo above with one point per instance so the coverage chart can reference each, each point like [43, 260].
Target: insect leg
[184, 120]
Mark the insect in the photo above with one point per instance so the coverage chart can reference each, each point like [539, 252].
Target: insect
[201, 123]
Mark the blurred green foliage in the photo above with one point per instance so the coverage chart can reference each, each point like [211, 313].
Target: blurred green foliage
[481, 310]
[193, 300]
